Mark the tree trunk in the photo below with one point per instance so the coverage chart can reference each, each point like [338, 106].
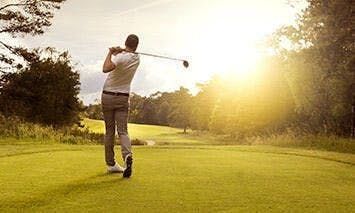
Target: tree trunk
[353, 120]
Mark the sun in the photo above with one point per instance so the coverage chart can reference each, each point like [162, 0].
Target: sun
[224, 46]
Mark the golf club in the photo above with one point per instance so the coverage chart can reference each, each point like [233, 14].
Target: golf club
[185, 63]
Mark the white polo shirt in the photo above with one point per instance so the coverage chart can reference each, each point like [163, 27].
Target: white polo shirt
[119, 79]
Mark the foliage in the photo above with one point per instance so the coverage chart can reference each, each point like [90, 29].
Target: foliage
[94, 111]
[320, 65]
[135, 108]
[19, 18]
[203, 104]
[15, 127]
[180, 112]
[253, 106]
[45, 92]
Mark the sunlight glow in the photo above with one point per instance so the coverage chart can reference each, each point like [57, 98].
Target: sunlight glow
[227, 45]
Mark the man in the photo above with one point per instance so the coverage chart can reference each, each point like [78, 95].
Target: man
[121, 64]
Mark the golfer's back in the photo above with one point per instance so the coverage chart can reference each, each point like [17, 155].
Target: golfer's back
[119, 80]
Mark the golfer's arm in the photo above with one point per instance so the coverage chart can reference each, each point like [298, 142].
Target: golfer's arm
[108, 65]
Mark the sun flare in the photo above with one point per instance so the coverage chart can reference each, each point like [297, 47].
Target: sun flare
[234, 51]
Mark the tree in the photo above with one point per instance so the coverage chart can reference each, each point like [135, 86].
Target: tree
[46, 92]
[19, 18]
[181, 109]
[149, 111]
[253, 106]
[136, 108]
[204, 103]
[321, 64]
[94, 111]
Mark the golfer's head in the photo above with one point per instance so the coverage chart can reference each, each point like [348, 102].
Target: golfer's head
[132, 42]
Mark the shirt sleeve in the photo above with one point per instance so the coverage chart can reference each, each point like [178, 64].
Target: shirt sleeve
[118, 60]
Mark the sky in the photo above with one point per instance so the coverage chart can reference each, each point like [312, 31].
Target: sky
[215, 36]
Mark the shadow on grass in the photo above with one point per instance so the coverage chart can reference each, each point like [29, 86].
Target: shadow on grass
[61, 193]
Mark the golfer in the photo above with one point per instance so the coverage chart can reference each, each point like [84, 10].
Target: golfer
[121, 64]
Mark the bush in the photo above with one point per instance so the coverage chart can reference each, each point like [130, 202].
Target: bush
[15, 127]
[46, 92]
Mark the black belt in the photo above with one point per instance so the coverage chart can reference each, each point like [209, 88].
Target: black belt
[115, 93]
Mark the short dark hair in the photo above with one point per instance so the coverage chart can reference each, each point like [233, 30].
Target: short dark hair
[132, 42]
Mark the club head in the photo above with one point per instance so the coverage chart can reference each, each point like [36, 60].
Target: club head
[186, 64]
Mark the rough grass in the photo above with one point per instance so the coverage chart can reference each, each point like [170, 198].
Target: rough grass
[72, 178]
[16, 128]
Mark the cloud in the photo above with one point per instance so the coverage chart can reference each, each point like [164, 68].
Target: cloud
[91, 77]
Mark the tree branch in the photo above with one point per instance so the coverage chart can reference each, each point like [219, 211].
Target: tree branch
[26, 4]
[14, 5]
[9, 48]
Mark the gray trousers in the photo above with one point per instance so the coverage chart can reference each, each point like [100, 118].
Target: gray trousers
[115, 110]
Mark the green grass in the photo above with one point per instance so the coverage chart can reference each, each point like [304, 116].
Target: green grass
[160, 134]
[39, 177]
[71, 178]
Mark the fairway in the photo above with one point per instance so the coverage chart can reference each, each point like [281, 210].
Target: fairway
[179, 178]
[162, 135]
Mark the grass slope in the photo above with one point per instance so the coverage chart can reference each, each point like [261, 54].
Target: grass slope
[160, 134]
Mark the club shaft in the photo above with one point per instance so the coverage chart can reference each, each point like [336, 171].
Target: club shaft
[159, 56]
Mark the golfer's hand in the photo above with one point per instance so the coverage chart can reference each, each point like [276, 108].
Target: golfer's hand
[115, 50]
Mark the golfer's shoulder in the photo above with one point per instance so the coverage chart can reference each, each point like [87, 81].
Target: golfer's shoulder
[134, 56]
[127, 56]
